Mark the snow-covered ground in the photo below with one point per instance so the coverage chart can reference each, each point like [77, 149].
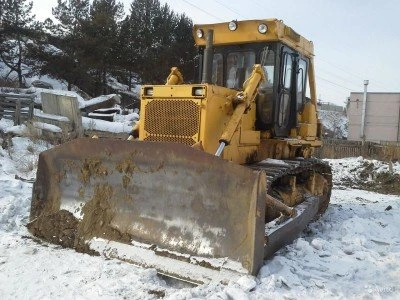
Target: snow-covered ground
[353, 251]
[367, 174]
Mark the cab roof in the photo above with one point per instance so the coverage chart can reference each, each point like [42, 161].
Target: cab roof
[247, 32]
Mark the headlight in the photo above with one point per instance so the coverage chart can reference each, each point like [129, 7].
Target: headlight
[199, 33]
[232, 25]
[198, 91]
[262, 28]
[148, 91]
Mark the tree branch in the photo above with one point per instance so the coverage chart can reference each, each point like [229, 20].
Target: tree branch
[8, 64]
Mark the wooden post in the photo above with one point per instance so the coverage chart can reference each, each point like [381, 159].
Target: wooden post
[17, 119]
[30, 112]
[1, 107]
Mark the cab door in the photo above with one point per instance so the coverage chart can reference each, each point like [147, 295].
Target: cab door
[285, 95]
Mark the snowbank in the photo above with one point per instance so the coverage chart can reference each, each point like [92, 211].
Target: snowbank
[366, 174]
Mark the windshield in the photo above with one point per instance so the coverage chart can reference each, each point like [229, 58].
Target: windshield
[231, 66]
[238, 67]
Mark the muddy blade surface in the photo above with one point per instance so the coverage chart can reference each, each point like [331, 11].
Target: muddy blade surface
[169, 198]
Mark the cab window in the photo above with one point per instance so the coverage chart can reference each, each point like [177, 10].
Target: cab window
[238, 67]
[268, 64]
[285, 93]
[301, 83]
[217, 70]
[266, 90]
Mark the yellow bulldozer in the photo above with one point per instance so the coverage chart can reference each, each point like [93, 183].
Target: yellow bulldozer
[217, 176]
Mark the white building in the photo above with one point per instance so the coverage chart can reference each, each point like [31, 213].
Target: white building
[382, 117]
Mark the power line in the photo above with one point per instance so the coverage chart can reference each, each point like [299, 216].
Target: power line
[331, 82]
[351, 74]
[202, 10]
[351, 51]
[337, 77]
[259, 5]
[356, 85]
[342, 78]
[232, 10]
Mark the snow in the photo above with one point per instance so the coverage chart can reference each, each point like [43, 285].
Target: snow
[101, 115]
[123, 88]
[22, 130]
[352, 251]
[132, 117]
[43, 115]
[17, 129]
[47, 127]
[247, 282]
[351, 169]
[55, 83]
[100, 99]
[101, 125]
[276, 161]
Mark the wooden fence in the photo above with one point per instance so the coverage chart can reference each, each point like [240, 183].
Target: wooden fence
[344, 148]
[18, 108]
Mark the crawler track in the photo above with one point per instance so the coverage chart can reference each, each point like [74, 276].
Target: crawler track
[278, 169]
[311, 208]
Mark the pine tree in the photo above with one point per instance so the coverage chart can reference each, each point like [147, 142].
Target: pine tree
[126, 55]
[2, 31]
[1, 12]
[19, 28]
[183, 52]
[142, 19]
[65, 60]
[70, 14]
[161, 39]
[100, 37]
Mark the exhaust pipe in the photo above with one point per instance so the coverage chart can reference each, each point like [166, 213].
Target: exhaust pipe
[208, 58]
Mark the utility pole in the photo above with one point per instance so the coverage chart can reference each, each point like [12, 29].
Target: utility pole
[398, 125]
[364, 111]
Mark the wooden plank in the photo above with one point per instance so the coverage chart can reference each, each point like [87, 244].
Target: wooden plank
[17, 96]
[63, 106]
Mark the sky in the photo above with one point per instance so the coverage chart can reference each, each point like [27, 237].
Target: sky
[353, 39]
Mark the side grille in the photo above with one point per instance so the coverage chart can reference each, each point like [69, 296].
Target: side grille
[172, 121]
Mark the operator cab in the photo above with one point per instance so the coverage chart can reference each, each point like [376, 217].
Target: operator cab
[283, 93]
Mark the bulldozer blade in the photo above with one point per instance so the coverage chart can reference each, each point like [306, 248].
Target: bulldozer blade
[186, 213]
